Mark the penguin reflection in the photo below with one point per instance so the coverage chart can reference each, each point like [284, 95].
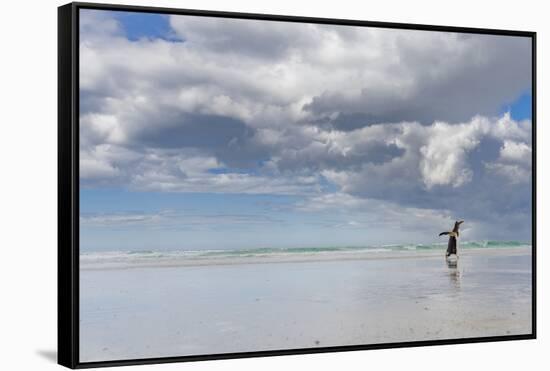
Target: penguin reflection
[454, 273]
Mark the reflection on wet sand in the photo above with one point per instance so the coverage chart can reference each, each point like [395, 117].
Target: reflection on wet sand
[454, 273]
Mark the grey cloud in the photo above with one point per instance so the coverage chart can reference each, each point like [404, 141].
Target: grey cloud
[265, 40]
[193, 130]
[500, 208]
[347, 121]
[317, 157]
[228, 139]
[484, 197]
[281, 108]
[446, 84]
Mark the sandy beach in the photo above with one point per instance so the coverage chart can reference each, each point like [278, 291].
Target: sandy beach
[333, 299]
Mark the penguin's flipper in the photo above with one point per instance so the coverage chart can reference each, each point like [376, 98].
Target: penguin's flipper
[451, 234]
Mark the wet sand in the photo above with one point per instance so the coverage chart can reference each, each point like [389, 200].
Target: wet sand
[160, 311]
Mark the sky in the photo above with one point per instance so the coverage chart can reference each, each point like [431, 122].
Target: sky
[212, 133]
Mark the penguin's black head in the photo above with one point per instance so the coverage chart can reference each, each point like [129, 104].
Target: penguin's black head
[458, 223]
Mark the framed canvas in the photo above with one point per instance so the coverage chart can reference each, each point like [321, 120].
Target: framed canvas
[240, 185]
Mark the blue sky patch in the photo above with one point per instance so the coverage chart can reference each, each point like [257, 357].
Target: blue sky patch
[521, 108]
[146, 25]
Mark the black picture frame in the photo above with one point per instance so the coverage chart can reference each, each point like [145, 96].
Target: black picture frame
[68, 183]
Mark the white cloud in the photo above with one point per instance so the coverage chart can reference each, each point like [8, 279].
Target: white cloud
[514, 162]
[283, 108]
[369, 214]
[508, 128]
[516, 152]
[177, 171]
[119, 219]
[334, 201]
[443, 159]
[272, 74]
[437, 155]
[102, 128]
[107, 162]
[371, 159]
[169, 219]
[91, 168]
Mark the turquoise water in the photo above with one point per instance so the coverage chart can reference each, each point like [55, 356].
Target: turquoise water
[388, 248]
[274, 253]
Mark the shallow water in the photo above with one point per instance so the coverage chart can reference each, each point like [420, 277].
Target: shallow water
[191, 310]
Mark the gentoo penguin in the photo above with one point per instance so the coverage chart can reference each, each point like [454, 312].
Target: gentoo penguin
[453, 239]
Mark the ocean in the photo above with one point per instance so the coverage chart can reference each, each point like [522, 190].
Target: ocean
[139, 258]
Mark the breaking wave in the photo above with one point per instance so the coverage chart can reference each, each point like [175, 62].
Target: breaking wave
[192, 257]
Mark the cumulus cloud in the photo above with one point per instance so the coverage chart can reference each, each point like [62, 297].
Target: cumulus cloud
[448, 167]
[407, 118]
[514, 162]
[444, 155]
[427, 76]
[516, 152]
